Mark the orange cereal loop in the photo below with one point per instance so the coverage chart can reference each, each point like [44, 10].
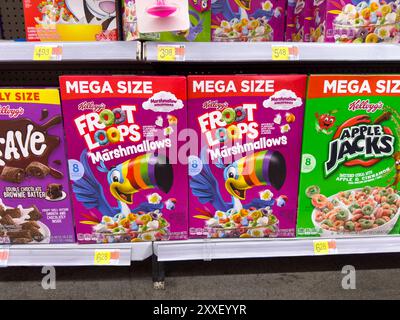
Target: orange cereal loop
[338, 223]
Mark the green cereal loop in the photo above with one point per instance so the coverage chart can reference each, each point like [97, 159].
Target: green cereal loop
[380, 221]
[335, 202]
[367, 210]
[326, 210]
[366, 224]
[349, 225]
[342, 215]
[328, 222]
[384, 192]
[392, 216]
[354, 207]
[228, 115]
[107, 117]
[347, 194]
[392, 198]
[312, 190]
[367, 190]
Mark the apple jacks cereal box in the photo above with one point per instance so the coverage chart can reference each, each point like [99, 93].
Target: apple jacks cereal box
[244, 174]
[126, 181]
[351, 157]
[35, 202]
[71, 20]
[248, 20]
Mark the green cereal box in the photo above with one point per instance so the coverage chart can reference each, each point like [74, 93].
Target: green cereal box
[350, 170]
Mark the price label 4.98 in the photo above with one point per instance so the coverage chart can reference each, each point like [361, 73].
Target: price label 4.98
[47, 53]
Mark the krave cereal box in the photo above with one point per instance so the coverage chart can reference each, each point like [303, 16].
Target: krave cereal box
[71, 20]
[35, 202]
[244, 174]
[248, 20]
[123, 157]
[351, 158]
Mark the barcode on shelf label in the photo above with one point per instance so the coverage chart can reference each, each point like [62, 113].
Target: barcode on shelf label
[324, 247]
[48, 53]
[171, 53]
[106, 257]
[282, 53]
[4, 255]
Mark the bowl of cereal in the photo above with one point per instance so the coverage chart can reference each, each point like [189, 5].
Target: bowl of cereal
[368, 23]
[357, 212]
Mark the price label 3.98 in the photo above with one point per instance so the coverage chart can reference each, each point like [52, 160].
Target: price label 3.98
[171, 53]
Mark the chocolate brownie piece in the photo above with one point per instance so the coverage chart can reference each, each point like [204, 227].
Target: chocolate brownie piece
[36, 235]
[14, 213]
[37, 169]
[7, 221]
[35, 214]
[26, 234]
[56, 174]
[2, 211]
[12, 174]
[54, 190]
[30, 225]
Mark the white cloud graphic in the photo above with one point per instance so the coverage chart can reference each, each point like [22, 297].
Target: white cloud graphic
[283, 100]
[163, 102]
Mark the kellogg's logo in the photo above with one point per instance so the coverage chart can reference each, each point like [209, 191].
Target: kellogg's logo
[365, 105]
[360, 141]
[11, 112]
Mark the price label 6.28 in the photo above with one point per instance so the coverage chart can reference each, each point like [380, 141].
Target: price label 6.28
[106, 257]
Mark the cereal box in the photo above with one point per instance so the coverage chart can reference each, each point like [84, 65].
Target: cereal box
[200, 24]
[34, 191]
[248, 20]
[298, 20]
[126, 181]
[244, 170]
[71, 20]
[354, 21]
[351, 158]
[318, 22]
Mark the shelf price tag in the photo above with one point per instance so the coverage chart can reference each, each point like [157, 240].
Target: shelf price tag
[170, 53]
[324, 247]
[282, 53]
[4, 255]
[106, 257]
[48, 53]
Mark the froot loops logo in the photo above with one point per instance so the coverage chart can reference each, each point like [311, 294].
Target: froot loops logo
[109, 127]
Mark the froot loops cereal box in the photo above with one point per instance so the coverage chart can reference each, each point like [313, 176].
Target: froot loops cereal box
[71, 20]
[35, 206]
[248, 20]
[244, 172]
[351, 157]
[355, 21]
[127, 181]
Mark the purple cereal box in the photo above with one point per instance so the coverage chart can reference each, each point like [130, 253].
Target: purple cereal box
[354, 21]
[123, 157]
[318, 23]
[243, 177]
[298, 20]
[248, 20]
[34, 191]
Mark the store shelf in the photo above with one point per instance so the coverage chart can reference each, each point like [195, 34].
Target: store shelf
[262, 51]
[74, 254]
[117, 51]
[211, 249]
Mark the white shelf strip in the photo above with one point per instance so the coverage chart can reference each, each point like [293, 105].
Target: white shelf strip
[73, 51]
[209, 249]
[262, 51]
[74, 254]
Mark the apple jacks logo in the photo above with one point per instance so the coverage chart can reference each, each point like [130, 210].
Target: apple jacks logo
[361, 144]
